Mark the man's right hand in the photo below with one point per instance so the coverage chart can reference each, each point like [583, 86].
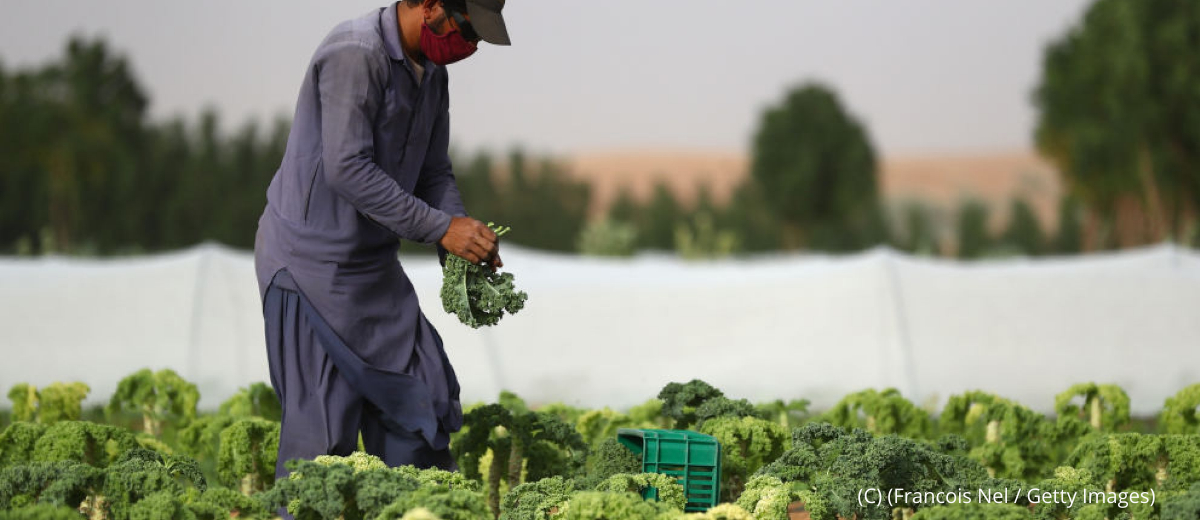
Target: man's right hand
[471, 240]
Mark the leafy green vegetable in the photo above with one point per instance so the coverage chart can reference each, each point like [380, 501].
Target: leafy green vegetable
[536, 500]
[57, 402]
[668, 490]
[538, 442]
[974, 511]
[747, 444]
[594, 505]
[159, 396]
[680, 401]
[1105, 407]
[361, 487]
[880, 413]
[832, 464]
[246, 459]
[476, 294]
[610, 458]
[1179, 412]
[41, 512]
[1183, 507]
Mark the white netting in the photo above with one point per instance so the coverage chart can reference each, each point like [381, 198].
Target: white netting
[613, 332]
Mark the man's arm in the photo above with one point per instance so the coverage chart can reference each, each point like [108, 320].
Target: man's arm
[350, 82]
[437, 185]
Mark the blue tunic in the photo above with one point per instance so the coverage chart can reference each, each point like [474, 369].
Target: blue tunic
[367, 165]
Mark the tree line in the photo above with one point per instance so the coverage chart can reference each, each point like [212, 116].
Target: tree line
[83, 170]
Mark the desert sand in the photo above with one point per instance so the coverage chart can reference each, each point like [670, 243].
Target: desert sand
[939, 181]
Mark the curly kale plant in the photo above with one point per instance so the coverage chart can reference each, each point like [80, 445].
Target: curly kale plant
[447, 504]
[40, 512]
[61, 483]
[1138, 462]
[1183, 506]
[57, 402]
[666, 489]
[536, 500]
[538, 444]
[769, 497]
[974, 511]
[592, 505]
[880, 413]
[160, 397]
[475, 293]
[1105, 407]
[832, 464]
[258, 400]
[680, 401]
[747, 444]
[361, 487]
[1179, 412]
[246, 460]
[1010, 440]
[81, 441]
[609, 458]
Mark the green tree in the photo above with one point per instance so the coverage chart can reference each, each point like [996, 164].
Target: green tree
[477, 184]
[918, 236]
[755, 225]
[1069, 238]
[76, 144]
[535, 196]
[699, 238]
[974, 238]
[1119, 110]
[816, 166]
[1024, 231]
[606, 237]
[624, 208]
[659, 218]
[70, 135]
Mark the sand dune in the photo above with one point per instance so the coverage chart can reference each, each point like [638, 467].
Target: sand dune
[941, 182]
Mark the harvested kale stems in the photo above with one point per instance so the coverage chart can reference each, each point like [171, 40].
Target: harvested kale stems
[476, 294]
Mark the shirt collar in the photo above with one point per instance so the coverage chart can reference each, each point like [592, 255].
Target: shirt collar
[391, 32]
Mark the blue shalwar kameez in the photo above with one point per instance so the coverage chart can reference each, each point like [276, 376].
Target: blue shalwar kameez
[366, 165]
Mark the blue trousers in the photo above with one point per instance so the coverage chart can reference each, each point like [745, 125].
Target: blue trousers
[324, 410]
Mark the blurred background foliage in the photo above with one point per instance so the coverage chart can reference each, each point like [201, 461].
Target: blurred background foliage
[84, 171]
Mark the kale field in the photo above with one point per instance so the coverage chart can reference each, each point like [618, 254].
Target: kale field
[150, 454]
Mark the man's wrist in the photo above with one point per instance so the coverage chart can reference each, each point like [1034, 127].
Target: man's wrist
[438, 225]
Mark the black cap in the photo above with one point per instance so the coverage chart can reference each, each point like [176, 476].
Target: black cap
[486, 19]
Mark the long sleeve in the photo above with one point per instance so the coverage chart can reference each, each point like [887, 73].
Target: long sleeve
[437, 185]
[350, 82]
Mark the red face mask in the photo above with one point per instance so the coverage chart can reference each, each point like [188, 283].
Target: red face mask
[446, 48]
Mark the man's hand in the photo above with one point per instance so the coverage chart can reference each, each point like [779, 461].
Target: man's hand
[471, 240]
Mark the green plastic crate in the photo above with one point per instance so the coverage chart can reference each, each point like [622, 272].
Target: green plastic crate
[694, 459]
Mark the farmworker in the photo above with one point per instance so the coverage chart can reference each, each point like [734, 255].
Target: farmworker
[367, 165]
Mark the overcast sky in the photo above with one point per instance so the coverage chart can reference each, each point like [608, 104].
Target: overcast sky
[924, 75]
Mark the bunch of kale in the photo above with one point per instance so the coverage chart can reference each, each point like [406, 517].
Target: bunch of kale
[477, 294]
